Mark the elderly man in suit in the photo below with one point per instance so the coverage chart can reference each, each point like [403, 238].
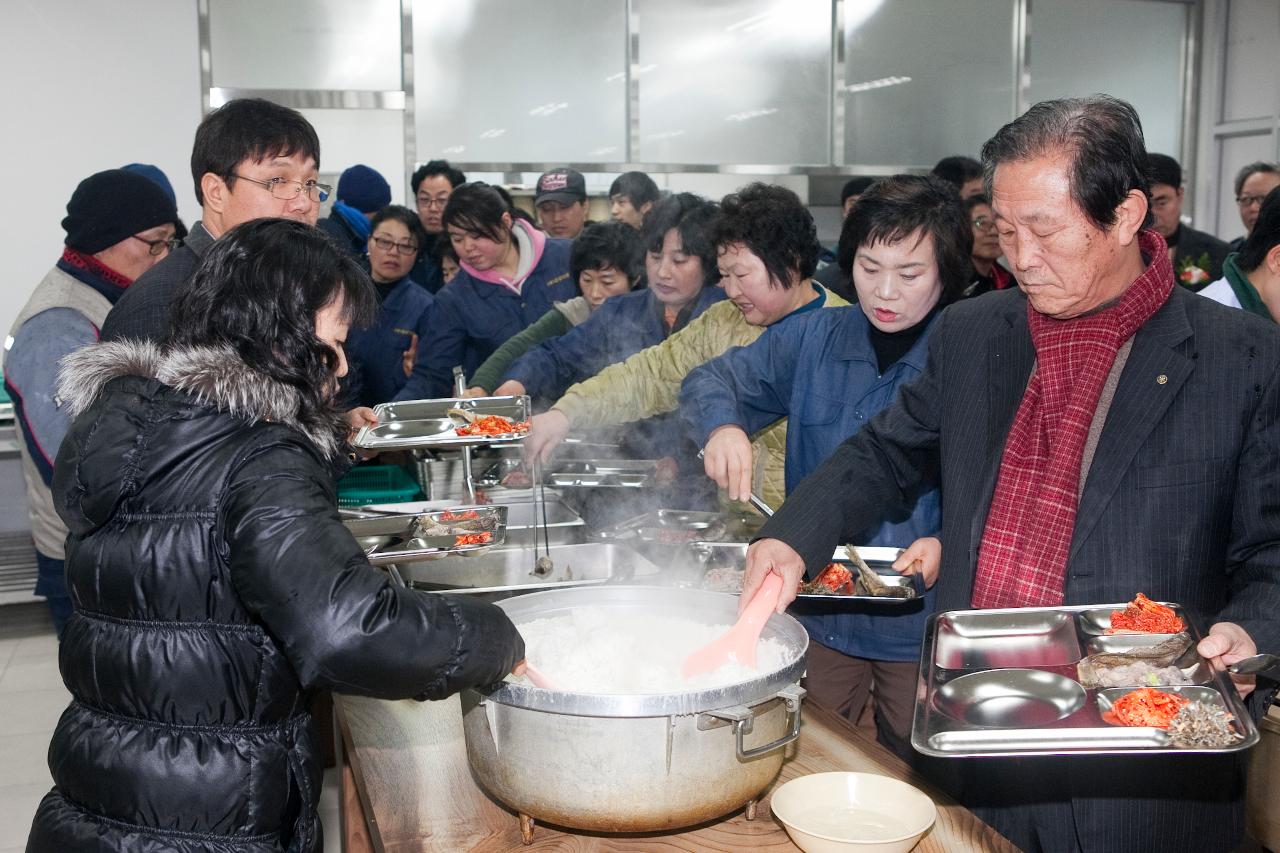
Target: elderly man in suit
[1095, 432]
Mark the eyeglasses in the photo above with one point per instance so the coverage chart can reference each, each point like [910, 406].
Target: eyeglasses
[287, 190]
[428, 203]
[982, 223]
[387, 245]
[1249, 200]
[158, 247]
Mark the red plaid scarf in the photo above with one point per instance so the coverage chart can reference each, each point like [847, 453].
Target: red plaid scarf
[83, 261]
[1022, 561]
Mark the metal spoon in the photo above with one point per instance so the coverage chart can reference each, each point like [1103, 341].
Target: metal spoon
[1254, 665]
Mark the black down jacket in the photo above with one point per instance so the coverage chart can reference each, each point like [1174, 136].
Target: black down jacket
[214, 589]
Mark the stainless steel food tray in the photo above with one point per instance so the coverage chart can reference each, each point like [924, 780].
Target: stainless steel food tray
[718, 557]
[511, 569]
[426, 423]
[603, 474]
[681, 527]
[392, 538]
[1005, 682]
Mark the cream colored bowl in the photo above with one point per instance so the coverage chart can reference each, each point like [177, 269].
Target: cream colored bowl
[863, 812]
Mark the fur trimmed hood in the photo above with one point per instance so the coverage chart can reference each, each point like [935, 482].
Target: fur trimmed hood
[215, 376]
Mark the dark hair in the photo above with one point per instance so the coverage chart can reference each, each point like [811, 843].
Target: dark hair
[444, 249]
[258, 290]
[774, 225]
[957, 170]
[636, 186]
[1163, 169]
[973, 201]
[406, 217]
[1103, 137]
[897, 208]
[477, 208]
[1249, 171]
[249, 129]
[607, 244]
[1265, 235]
[690, 215]
[437, 167]
[854, 186]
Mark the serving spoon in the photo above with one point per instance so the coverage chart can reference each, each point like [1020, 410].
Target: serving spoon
[739, 642]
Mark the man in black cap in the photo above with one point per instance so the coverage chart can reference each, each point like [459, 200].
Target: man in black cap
[251, 159]
[362, 192]
[119, 224]
[561, 202]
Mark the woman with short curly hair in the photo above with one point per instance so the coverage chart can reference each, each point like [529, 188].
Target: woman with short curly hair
[760, 223]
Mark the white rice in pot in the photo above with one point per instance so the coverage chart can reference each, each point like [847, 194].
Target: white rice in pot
[619, 651]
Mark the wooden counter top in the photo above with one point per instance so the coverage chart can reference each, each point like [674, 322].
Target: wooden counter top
[407, 787]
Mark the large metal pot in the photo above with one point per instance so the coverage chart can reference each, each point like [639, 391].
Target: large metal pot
[635, 763]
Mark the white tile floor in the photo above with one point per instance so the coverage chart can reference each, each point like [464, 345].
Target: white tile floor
[32, 698]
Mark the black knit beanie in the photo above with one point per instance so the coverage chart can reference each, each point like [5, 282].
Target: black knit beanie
[112, 206]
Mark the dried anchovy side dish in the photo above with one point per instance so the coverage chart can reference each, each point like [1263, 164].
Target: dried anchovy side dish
[1202, 724]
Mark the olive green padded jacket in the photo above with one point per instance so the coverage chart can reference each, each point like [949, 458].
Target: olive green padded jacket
[648, 384]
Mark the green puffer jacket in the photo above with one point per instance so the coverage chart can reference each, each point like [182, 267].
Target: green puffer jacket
[648, 384]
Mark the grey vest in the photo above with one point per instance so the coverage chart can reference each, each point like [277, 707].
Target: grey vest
[58, 289]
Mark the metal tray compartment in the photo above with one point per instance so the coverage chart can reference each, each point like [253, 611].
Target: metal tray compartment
[967, 640]
[426, 423]
[1193, 667]
[717, 563]
[1005, 682]
[511, 569]
[603, 474]
[1010, 698]
[1096, 621]
[391, 538]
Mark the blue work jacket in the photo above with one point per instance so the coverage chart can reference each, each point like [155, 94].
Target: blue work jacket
[376, 354]
[472, 318]
[821, 373]
[621, 327]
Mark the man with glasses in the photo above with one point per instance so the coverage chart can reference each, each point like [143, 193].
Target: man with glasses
[251, 159]
[1252, 184]
[986, 252]
[432, 184]
[119, 224]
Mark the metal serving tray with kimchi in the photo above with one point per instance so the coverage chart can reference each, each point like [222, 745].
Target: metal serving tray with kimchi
[723, 564]
[446, 422]
[1064, 680]
[427, 535]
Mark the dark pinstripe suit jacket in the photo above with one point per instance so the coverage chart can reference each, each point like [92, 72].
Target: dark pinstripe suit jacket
[1182, 502]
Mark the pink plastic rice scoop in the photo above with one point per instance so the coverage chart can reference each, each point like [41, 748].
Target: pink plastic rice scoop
[739, 642]
[536, 677]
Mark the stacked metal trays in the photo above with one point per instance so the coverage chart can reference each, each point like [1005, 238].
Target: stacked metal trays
[503, 571]
[603, 474]
[716, 557]
[426, 423]
[394, 538]
[681, 527]
[1005, 682]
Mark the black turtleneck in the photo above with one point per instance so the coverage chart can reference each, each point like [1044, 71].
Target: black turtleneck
[891, 346]
[384, 289]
